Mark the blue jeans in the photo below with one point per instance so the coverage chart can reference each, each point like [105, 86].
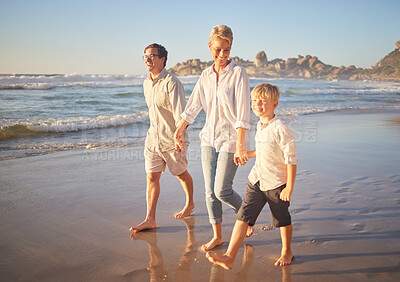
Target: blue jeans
[219, 170]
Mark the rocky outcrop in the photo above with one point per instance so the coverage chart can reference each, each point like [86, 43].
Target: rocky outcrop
[190, 67]
[310, 67]
[261, 60]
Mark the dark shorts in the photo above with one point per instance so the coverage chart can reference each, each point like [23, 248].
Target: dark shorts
[254, 200]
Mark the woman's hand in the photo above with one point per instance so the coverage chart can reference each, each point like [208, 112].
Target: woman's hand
[179, 135]
[240, 157]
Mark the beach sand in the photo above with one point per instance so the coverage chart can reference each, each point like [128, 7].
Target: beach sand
[65, 216]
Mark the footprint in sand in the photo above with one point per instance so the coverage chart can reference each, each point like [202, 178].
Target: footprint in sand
[360, 178]
[299, 210]
[357, 227]
[267, 228]
[346, 183]
[306, 172]
[367, 211]
[340, 201]
[343, 190]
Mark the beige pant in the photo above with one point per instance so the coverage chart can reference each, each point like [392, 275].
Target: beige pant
[157, 161]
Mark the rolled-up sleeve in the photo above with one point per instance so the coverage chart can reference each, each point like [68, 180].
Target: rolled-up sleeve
[288, 146]
[177, 99]
[193, 106]
[243, 101]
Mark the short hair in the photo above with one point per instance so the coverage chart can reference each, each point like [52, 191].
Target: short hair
[266, 91]
[222, 32]
[162, 52]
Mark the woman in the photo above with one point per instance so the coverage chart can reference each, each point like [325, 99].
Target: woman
[223, 92]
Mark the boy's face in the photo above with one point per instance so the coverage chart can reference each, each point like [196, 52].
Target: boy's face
[263, 108]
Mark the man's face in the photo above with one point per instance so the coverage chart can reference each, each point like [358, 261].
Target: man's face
[220, 50]
[154, 63]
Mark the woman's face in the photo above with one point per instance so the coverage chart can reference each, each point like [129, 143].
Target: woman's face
[220, 50]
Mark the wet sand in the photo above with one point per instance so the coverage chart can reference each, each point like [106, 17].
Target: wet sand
[65, 216]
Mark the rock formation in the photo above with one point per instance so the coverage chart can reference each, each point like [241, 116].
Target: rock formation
[309, 67]
[261, 60]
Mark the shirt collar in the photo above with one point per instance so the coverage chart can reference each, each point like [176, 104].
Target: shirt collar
[264, 125]
[161, 75]
[228, 68]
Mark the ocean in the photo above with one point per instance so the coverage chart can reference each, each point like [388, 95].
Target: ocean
[41, 114]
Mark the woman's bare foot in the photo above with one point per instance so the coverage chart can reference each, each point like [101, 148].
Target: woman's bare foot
[285, 259]
[250, 231]
[212, 244]
[185, 212]
[221, 260]
[145, 225]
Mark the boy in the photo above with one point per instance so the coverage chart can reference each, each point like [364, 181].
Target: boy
[270, 180]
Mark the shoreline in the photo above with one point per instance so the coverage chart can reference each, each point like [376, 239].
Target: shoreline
[65, 216]
[88, 148]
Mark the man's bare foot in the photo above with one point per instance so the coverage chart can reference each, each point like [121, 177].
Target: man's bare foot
[221, 260]
[285, 259]
[212, 244]
[250, 230]
[185, 212]
[145, 225]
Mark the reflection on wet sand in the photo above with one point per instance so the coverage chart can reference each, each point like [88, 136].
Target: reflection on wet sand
[156, 264]
[286, 273]
[183, 272]
[157, 271]
[248, 258]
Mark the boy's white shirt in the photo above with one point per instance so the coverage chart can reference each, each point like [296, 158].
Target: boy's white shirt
[275, 149]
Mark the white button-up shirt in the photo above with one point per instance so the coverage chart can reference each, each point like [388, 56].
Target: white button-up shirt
[166, 100]
[226, 105]
[275, 149]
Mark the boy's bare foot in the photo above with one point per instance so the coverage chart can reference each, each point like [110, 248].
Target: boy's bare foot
[221, 260]
[250, 230]
[185, 212]
[145, 225]
[285, 259]
[212, 244]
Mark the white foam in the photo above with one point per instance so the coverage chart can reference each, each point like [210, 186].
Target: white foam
[84, 123]
[44, 82]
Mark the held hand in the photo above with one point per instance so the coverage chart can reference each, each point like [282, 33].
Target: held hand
[286, 194]
[240, 157]
[179, 137]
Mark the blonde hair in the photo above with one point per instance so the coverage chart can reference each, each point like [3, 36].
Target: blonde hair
[266, 91]
[222, 32]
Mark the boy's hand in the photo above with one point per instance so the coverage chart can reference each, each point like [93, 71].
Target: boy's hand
[286, 194]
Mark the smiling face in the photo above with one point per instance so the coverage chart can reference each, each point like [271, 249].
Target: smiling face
[263, 108]
[220, 50]
[153, 62]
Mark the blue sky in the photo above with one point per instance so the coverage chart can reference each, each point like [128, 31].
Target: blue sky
[108, 37]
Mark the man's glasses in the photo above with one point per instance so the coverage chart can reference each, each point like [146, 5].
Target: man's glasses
[151, 57]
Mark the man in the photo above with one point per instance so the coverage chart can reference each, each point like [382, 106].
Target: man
[165, 98]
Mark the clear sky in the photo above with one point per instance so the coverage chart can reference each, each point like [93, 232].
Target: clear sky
[108, 37]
